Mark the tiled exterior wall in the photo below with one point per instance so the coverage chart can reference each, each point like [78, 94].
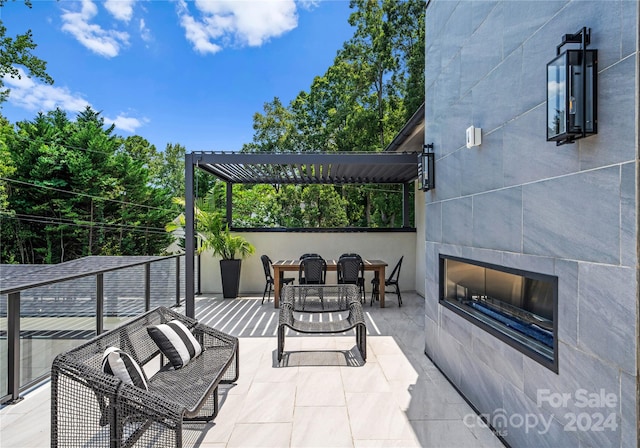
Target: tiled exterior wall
[519, 201]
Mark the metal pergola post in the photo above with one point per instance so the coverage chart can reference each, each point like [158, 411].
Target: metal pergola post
[230, 204]
[190, 305]
[177, 281]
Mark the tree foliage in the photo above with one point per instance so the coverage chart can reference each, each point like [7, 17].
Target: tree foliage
[374, 85]
[17, 52]
[77, 190]
[71, 188]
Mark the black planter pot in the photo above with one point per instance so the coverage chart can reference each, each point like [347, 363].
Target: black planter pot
[230, 272]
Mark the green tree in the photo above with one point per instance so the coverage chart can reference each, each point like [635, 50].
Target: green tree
[7, 167]
[17, 51]
[79, 192]
[274, 130]
[374, 85]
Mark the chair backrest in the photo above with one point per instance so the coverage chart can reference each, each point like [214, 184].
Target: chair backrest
[351, 256]
[266, 265]
[395, 274]
[303, 256]
[314, 270]
[350, 269]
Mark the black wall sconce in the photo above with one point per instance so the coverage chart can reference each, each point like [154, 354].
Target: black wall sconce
[572, 90]
[426, 168]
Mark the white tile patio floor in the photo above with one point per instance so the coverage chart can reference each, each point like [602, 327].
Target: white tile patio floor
[320, 395]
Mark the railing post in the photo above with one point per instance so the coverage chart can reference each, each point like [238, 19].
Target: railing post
[147, 286]
[13, 340]
[99, 303]
[178, 280]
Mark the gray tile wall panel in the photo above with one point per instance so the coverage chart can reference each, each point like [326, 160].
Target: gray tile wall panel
[457, 221]
[509, 365]
[628, 422]
[628, 215]
[503, 81]
[629, 27]
[530, 426]
[483, 165]
[575, 217]
[615, 141]
[578, 372]
[434, 222]
[578, 204]
[528, 157]
[483, 51]
[607, 312]
[523, 19]
[481, 384]
[497, 220]
[567, 272]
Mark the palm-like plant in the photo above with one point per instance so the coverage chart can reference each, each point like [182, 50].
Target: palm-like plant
[213, 232]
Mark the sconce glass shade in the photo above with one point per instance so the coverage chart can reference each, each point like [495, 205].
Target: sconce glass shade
[426, 171]
[571, 96]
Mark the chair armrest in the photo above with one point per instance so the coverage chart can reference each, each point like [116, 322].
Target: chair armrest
[133, 400]
[356, 315]
[210, 337]
[286, 314]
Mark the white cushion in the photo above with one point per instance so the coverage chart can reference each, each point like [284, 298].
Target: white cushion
[176, 342]
[121, 365]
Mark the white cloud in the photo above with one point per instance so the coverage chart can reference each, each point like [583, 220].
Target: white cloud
[145, 33]
[33, 96]
[103, 42]
[120, 9]
[309, 4]
[129, 124]
[27, 94]
[239, 23]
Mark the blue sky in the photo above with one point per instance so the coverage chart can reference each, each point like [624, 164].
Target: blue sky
[173, 71]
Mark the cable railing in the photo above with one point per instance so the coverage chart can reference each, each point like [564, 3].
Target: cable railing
[47, 309]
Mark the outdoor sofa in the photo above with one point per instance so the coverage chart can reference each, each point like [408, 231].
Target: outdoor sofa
[92, 408]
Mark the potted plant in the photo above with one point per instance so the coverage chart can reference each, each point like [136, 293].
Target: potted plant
[213, 234]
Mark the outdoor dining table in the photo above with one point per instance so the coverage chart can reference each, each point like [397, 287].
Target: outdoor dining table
[280, 266]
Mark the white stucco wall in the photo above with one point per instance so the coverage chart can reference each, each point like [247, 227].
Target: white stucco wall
[387, 246]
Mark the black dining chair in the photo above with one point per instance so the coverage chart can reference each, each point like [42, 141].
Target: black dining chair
[392, 280]
[351, 271]
[312, 271]
[266, 265]
[302, 257]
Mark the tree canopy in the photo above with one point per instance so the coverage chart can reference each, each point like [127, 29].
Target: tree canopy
[16, 53]
[71, 187]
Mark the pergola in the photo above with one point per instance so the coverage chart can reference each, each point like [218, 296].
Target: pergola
[397, 164]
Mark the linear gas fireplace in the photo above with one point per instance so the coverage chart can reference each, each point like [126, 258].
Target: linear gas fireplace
[518, 307]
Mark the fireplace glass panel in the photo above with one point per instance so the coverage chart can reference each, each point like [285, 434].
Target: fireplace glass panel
[517, 306]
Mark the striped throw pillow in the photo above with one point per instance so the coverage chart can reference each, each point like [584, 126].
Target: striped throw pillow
[121, 365]
[176, 342]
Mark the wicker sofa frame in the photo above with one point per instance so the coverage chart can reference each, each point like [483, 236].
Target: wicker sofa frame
[91, 408]
[322, 299]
